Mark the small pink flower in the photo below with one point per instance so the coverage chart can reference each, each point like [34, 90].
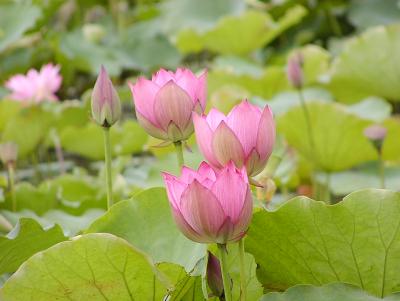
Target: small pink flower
[211, 206]
[36, 86]
[165, 103]
[246, 136]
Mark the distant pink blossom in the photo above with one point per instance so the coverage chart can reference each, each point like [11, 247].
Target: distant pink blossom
[35, 86]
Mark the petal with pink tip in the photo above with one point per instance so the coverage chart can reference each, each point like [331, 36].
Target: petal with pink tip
[204, 138]
[214, 118]
[175, 188]
[243, 120]
[266, 134]
[162, 76]
[150, 128]
[187, 81]
[201, 210]
[144, 93]
[246, 213]
[226, 146]
[172, 103]
[230, 190]
[186, 229]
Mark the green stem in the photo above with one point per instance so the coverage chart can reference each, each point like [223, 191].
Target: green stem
[224, 269]
[381, 170]
[328, 188]
[179, 153]
[308, 122]
[243, 292]
[107, 152]
[11, 178]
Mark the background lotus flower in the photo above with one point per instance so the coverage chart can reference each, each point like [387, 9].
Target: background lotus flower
[8, 153]
[211, 206]
[295, 71]
[246, 136]
[165, 103]
[36, 86]
[106, 106]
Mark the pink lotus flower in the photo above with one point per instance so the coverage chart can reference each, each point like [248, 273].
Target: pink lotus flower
[211, 206]
[246, 136]
[36, 86]
[165, 103]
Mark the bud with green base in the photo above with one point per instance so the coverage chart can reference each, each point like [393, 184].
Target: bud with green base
[106, 111]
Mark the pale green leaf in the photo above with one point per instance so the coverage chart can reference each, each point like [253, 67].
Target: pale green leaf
[306, 242]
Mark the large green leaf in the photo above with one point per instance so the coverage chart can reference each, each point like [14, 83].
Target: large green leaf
[90, 267]
[330, 292]
[8, 109]
[70, 224]
[306, 242]
[337, 135]
[239, 34]
[28, 129]
[146, 222]
[26, 239]
[88, 141]
[357, 72]
[13, 24]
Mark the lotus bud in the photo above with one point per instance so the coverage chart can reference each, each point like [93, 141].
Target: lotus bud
[376, 134]
[106, 106]
[165, 103]
[295, 70]
[214, 275]
[211, 206]
[245, 136]
[8, 153]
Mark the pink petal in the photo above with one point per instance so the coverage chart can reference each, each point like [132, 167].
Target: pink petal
[230, 188]
[172, 103]
[226, 146]
[175, 188]
[204, 138]
[162, 77]
[50, 77]
[243, 120]
[225, 231]
[205, 175]
[244, 219]
[214, 118]
[186, 229]
[150, 128]
[266, 134]
[144, 93]
[201, 210]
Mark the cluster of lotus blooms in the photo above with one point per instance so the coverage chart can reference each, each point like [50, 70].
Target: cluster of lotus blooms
[214, 203]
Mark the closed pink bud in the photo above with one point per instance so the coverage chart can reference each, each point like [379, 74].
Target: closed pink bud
[214, 275]
[245, 136]
[8, 153]
[295, 71]
[106, 106]
[165, 103]
[211, 206]
[376, 134]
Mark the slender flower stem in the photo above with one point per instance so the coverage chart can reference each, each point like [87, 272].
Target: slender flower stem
[107, 152]
[381, 170]
[328, 188]
[59, 152]
[224, 270]
[243, 292]
[179, 153]
[11, 178]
